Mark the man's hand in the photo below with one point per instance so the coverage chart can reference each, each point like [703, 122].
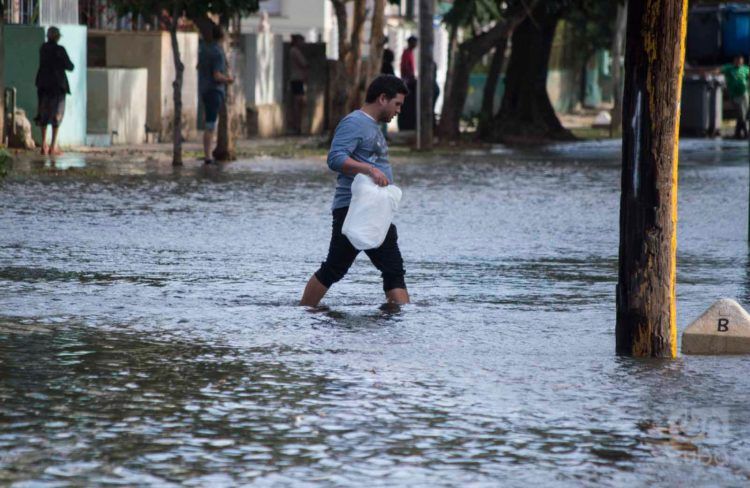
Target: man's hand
[377, 176]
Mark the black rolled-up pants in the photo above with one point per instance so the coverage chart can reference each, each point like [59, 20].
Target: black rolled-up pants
[341, 255]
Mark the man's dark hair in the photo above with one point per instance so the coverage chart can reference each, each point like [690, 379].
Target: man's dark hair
[388, 85]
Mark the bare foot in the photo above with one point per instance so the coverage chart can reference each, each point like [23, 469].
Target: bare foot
[44, 150]
[56, 151]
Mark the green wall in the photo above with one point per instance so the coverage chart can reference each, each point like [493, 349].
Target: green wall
[21, 45]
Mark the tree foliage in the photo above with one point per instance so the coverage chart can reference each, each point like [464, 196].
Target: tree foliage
[470, 13]
[491, 22]
[592, 22]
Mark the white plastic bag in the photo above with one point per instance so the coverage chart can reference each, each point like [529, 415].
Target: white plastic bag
[370, 212]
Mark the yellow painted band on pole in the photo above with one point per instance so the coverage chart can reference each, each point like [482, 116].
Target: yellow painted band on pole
[673, 244]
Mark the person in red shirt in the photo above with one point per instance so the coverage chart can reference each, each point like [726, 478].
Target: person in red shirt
[408, 65]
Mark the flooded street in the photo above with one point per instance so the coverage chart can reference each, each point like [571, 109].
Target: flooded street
[149, 332]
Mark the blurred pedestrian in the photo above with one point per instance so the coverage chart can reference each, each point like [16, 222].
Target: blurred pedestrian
[298, 70]
[736, 75]
[51, 88]
[408, 63]
[386, 66]
[407, 118]
[212, 81]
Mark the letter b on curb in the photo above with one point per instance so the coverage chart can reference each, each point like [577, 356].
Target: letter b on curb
[723, 325]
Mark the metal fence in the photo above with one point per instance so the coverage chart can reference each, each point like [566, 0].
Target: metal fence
[22, 12]
[58, 12]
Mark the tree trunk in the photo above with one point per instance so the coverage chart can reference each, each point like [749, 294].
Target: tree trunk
[376, 40]
[526, 113]
[339, 91]
[582, 75]
[354, 58]
[2, 75]
[486, 116]
[225, 149]
[465, 58]
[617, 43]
[179, 69]
[452, 52]
[426, 74]
[654, 59]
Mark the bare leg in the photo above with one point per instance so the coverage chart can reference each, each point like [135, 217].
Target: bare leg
[45, 147]
[208, 136]
[53, 149]
[314, 293]
[398, 296]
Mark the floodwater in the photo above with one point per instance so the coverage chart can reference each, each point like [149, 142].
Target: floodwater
[149, 332]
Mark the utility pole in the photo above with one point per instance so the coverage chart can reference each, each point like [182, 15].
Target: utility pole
[2, 73]
[426, 75]
[654, 59]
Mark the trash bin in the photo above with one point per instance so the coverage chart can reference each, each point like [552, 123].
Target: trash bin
[736, 31]
[695, 107]
[704, 35]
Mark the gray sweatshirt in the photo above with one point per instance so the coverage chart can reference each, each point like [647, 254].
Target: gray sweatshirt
[357, 136]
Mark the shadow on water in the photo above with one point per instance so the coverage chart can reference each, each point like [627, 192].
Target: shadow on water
[341, 318]
[77, 403]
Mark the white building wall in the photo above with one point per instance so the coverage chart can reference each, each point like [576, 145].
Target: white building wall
[116, 105]
[188, 45]
[313, 19]
[262, 68]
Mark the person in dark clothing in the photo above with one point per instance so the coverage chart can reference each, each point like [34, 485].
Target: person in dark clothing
[386, 65]
[407, 118]
[386, 68]
[51, 88]
[299, 69]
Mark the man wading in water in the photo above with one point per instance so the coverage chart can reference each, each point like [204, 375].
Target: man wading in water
[358, 147]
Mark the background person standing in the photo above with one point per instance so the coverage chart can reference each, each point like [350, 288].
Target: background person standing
[298, 69]
[386, 68]
[212, 81]
[736, 75]
[51, 88]
[386, 65]
[407, 119]
[408, 63]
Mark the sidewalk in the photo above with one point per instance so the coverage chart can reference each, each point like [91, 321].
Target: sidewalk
[315, 146]
[285, 146]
